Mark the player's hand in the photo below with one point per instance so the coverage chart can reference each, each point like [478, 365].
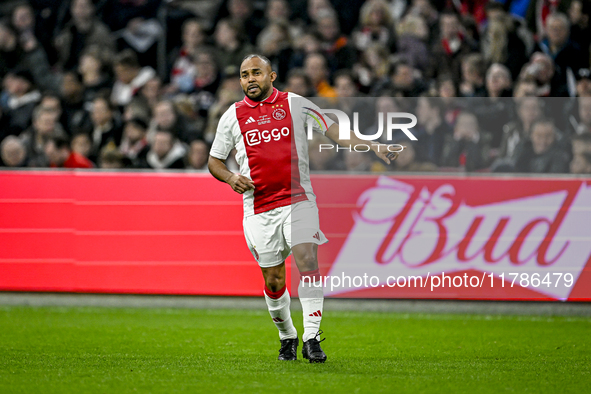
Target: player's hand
[240, 183]
[387, 153]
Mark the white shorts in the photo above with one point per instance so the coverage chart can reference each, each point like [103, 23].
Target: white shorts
[270, 235]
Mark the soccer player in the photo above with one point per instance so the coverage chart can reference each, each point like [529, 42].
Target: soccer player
[267, 128]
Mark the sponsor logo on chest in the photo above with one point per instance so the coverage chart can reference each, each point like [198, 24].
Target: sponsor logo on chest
[275, 126]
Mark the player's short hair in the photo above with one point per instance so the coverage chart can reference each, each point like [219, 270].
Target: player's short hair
[262, 57]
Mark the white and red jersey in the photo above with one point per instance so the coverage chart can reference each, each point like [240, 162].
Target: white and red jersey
[271, 147]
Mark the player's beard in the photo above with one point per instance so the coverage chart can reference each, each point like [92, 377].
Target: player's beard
[263, 91]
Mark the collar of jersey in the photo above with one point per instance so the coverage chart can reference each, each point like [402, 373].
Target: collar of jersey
[271, 99]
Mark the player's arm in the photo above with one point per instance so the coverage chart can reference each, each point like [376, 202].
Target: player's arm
[381, 150]
[237, 182]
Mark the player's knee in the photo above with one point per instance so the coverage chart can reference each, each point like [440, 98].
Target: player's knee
[275, 282]
[307, 261]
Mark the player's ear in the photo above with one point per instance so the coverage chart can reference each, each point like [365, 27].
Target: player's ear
[273, 76]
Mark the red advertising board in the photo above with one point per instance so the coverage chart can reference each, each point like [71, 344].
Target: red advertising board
[181, 233]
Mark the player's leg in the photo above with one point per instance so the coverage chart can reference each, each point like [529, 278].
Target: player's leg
[279, 301]
[264, 239]
[310, 288]
[305, 236]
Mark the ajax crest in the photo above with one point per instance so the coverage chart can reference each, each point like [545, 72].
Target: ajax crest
[279, 114]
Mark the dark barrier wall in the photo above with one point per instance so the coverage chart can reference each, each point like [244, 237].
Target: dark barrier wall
[411, 237]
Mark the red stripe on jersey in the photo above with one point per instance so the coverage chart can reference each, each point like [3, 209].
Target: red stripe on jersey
[271, 151]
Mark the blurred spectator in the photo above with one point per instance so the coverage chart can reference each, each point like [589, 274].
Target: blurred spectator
[426, 10]
[583, 82]
[537, 13]
[167, 118]
[541, 153]
[166, 152]
[59, 154]
[412, 42]
[279, 11]
[376, 26]
[494, 112]
[141, 35]
[581, 150]
[137, 108]
[13, 152]
[106, 127]
[581, 144]
[198, 155]
[432, 132]
[565, 54]
[467, 148]
[232, 46]
[111, 158]
[525, 88]
[81, 144]
[35, 137]
[529, 110]
[118, 13]
[316, 69]
[498, 81]
[52, 103]
[408, 160]
[579, 13]
[25, 55]
[206, 82]
[152, 92]
[24, 24]
[541, 69]
[502, 40]
[193, 40]
[84, 30]
[76, 118]
[92, 68]
[275, 43]
[299, 83]
[131, 77]
[473, 73]
[402, 82]
[243, 15]
[344, 83]
[580, 120]
[452, 45]
[581, 164]
[373, 66]
[134, 145]
[22, 99]
[334, 45]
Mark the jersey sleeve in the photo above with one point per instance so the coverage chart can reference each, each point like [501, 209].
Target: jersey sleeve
[313, 114]
[223, 143]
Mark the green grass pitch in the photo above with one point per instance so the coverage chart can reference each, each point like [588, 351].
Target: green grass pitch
[112, 350]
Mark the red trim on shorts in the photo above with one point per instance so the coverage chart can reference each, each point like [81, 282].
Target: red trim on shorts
[275, 294]
[315, 274]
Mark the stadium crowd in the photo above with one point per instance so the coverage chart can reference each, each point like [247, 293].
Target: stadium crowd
[501, 86]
